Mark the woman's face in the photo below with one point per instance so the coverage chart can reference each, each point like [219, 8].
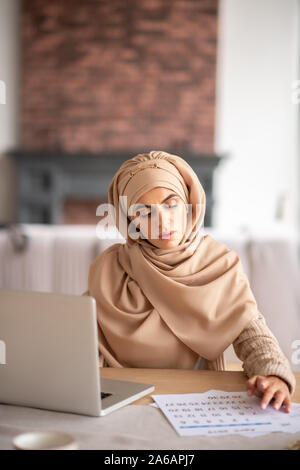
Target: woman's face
[163, 224]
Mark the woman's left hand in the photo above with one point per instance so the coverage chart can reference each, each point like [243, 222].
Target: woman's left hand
[271, 387]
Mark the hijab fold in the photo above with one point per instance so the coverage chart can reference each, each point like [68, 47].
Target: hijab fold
[163, 308]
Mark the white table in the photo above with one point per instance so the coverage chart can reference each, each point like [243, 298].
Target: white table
[140, 426]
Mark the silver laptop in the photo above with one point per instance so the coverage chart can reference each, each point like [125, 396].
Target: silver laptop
[49, 355]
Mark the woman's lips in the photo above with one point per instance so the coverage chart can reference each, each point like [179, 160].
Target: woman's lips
[168, 235]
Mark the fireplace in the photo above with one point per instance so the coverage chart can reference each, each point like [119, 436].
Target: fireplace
[48, 182]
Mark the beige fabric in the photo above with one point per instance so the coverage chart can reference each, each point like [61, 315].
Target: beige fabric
[218, 364]
[259, 350]
[164, 308]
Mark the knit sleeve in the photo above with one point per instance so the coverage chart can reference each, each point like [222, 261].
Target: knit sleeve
[261, 354]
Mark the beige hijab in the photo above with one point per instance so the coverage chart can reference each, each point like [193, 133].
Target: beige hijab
[165, 308]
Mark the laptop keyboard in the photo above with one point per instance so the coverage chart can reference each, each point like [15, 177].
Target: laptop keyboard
[104, 395]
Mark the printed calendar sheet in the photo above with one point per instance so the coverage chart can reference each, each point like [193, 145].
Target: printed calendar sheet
[217, 412]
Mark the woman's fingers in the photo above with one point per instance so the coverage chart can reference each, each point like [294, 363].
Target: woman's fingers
[288, 404]
[251, 384]
[270, 388]
[268, 395]
[279, 398]
[256, 385]
[262, 383]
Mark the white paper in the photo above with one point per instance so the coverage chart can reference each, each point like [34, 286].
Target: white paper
[217, 412]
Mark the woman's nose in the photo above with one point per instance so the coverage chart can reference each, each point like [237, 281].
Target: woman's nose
[164, 222]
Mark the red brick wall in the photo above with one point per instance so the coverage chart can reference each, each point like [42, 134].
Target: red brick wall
[119, 75]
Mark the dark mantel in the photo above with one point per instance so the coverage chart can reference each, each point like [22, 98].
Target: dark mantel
[47, 179]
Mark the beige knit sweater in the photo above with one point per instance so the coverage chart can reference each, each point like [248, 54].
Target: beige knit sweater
[259, 350]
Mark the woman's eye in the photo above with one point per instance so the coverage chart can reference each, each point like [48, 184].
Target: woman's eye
[149, 213]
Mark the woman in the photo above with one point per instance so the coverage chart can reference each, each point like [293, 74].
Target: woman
[171, 296]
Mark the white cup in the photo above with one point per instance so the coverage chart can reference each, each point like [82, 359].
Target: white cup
[44, 440]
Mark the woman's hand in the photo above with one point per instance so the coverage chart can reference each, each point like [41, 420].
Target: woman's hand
[270, 387]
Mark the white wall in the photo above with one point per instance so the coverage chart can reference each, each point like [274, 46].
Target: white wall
[9, 112]
[256, 120]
